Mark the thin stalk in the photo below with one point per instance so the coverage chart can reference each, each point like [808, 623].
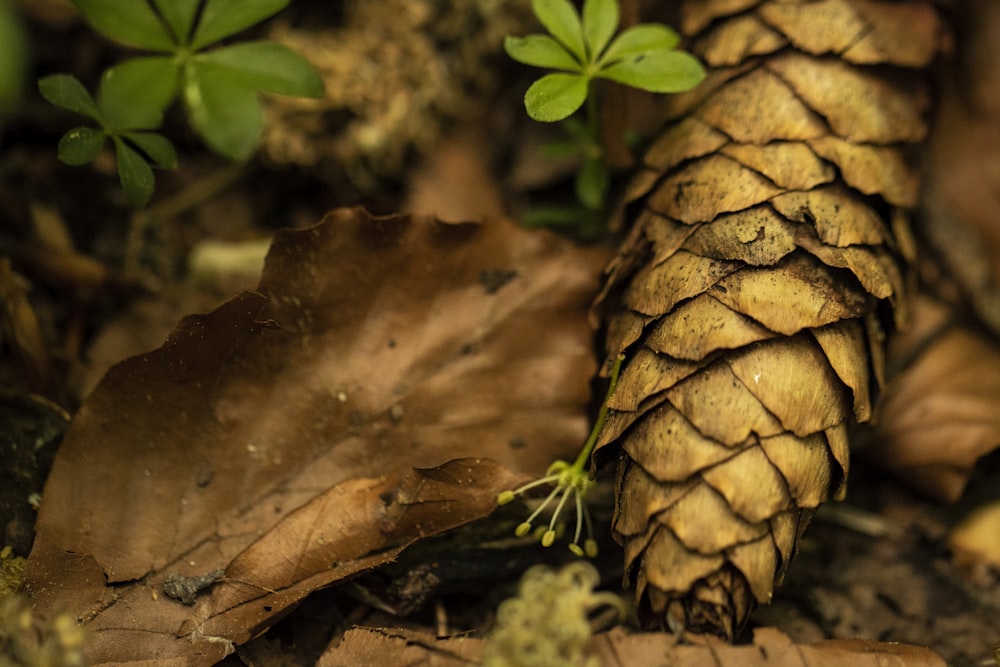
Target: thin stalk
[602, 415]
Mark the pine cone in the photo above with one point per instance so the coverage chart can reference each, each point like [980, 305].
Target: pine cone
[768, 252]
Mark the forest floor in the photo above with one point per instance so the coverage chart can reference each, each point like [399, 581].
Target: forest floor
[876, 567]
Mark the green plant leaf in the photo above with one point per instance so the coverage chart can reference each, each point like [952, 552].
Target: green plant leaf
[135, 94]
[222, 18]
[266, 66]
[66, 91]
[561, 19]
[81, 145]
[179, 15]
[591, 184]
[131, 22]
[540, 51]
[555, 96]
[224, 111]
[640, 39]
[134, 174]
[600, 20]
[156, 147]
[657, 72]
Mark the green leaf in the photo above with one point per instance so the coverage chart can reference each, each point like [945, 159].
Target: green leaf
[560, 18]
[179, 15]
[639, 40]
[225, 112]
[600, 20]
[131, 22]
[592, 184]
[266, 66]
[156, 147]
[540, 51]
[657, 72]
[135, 174]
[135, 94]
[222, 18]
[555, 96]
[66, 91]
[81, 145]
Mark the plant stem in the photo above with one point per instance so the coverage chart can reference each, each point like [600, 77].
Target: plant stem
[594, 150]
[595, 432]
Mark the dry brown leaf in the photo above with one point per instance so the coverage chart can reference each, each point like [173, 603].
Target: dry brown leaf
[948, 394]
[21, 333]
[746, 298]
[374, 346]
[620, 648]
[454, 182]
[356, 525]
[975, 542]
[962, 196]
[770, 647]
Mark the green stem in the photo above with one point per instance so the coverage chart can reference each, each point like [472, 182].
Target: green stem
[593, 123]
[595, 432]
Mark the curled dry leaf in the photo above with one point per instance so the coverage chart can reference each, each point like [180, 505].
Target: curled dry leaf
[769, 233]
[963, 191]
[619, 648]
[946, 393]
[275, 437]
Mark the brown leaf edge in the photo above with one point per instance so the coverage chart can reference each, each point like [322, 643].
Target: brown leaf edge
[621, 648]
[89, 560]
[136, 623]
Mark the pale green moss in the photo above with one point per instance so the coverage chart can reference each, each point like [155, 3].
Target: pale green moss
[11, 572]
[547, 624]
[27, 642]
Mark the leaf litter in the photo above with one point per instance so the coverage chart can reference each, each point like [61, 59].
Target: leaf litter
[276, 437]
[84, 581]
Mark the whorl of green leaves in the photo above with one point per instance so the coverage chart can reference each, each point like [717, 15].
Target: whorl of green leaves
[581, 48]
[219, 87]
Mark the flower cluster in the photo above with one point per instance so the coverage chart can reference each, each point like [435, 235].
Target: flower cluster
[572, 481]
[547, 625]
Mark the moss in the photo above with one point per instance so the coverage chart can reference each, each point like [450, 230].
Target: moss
[11, 572]
[547, 624]
[25, 641]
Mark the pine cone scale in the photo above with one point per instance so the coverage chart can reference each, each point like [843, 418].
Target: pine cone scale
[770, 236]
